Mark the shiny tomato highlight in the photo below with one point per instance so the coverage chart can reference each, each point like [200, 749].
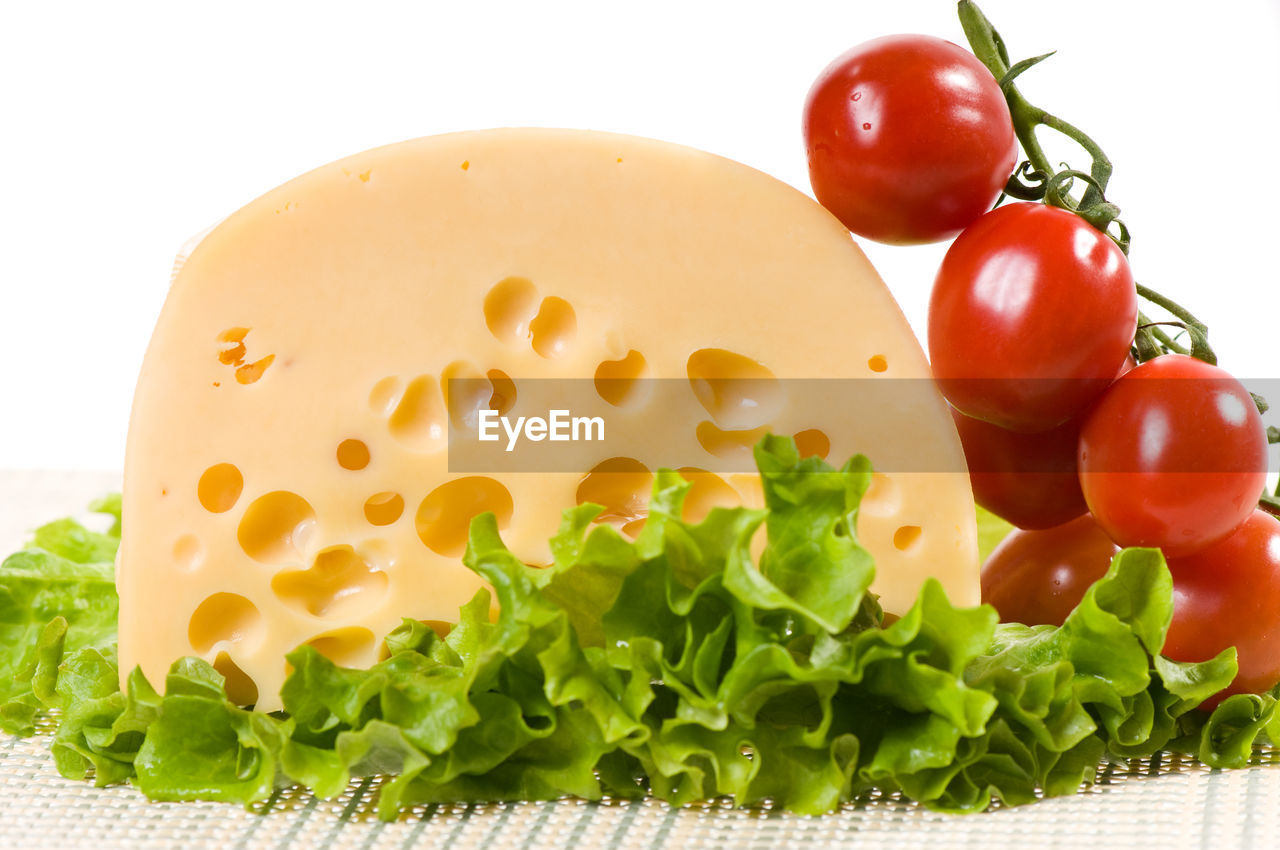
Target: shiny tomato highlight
[1032, 315]
[1174, 455]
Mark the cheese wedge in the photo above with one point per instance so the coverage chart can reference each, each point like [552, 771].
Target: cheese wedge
[288, 477]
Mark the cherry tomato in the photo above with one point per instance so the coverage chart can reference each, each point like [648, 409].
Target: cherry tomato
[1174, 455]
[1229, 595]
[909, 139]
[1038, 577]
[1027, 479]
[1031, 317]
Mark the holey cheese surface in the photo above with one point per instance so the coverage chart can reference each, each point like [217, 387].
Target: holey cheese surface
[287, 479]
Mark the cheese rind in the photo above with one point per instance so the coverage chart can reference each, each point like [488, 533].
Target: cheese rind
[287, 476]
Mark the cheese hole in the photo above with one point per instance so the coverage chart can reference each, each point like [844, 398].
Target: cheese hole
[420, 418]
[220, 487]
[444, 517]
[251, 373]
[466, 393]
[232, 354]
[384, 396]
[878, 363]
[339, 583]
[708, 491]
[632, 529]
[457, 369]
[510, 307]
[906, 537]
[813, 443]
[224, 618]
[353, 455]
[378, 554]
[440, 627]
[621, 486]
[749, 488]
[352, 646]
[384, 508]
[239, 686]
[737, 391]
[730, 445]
[188, 553]
[883, 497]
[503, 397]
[275, 527]
[554, 328]
[616, 379]
[232, 351]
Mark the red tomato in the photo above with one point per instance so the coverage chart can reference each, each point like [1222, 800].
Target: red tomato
[1038, 577]
[1027, 479]
[1174, 455]
[1031, 317]
[1229, 595]
[909, 139]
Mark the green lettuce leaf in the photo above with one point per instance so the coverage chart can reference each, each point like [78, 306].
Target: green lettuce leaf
[65, 574]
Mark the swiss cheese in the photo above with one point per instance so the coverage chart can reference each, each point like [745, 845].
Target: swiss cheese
[287, 479]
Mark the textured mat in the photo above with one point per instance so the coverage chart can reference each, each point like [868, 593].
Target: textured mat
[1167, 801]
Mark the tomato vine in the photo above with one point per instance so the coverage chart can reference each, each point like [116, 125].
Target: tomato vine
[1036, 179]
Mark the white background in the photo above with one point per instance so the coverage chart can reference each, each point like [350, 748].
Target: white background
[132, 126]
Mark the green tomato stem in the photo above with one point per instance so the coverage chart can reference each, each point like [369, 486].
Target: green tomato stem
[989, 47]
[1168, 342]
[1145, 342]
[1199, 332]
[1169, 304]
[1101, 168]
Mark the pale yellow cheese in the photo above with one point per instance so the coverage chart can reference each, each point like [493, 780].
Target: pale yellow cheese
[286, 477]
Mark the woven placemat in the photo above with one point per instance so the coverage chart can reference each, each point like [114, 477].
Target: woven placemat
[1168, 801]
